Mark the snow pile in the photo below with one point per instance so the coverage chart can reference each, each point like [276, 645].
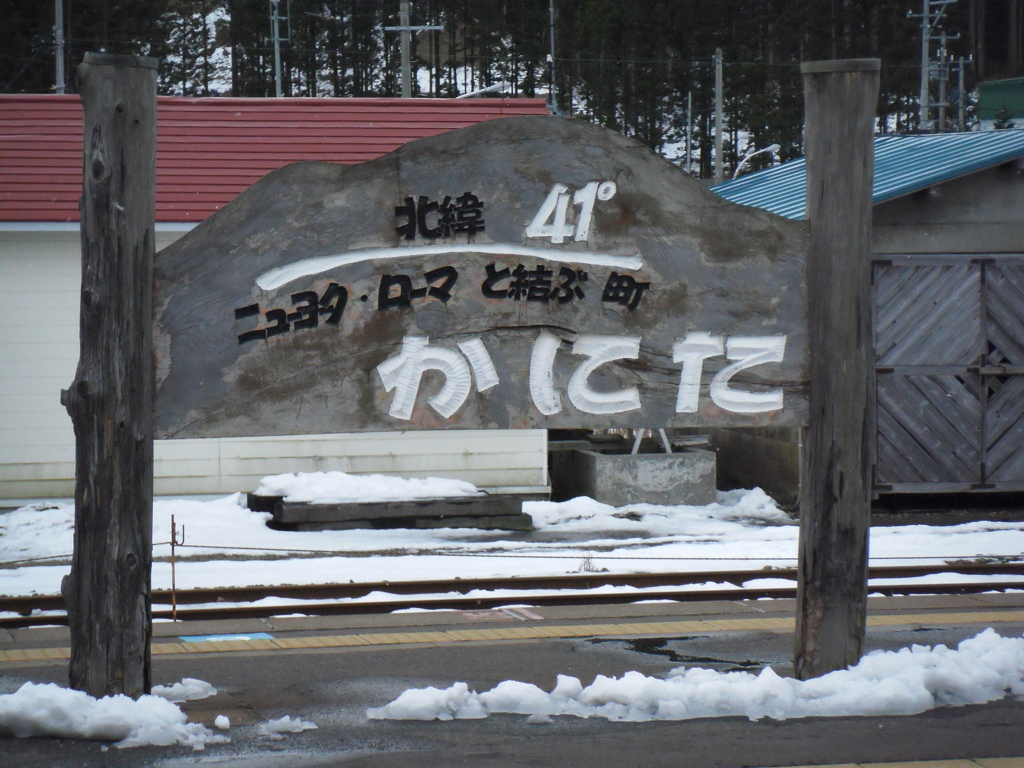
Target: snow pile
[49, 710]
[338, 487]
[189, 689]
[274, 728]
[732, 516]
[902, 682]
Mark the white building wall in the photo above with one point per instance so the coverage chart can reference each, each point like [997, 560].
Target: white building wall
[40, 273]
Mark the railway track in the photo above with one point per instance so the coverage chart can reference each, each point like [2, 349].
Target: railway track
[454, 594]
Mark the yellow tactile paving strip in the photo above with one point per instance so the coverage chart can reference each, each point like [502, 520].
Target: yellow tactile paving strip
[538, 631]
[977, 762]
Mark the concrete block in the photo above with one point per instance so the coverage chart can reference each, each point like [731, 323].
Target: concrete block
[686, 477]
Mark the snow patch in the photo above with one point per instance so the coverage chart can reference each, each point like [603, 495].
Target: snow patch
[341, 487]
[189, 689]
[49, 710]
[904, 682]
[274, 728]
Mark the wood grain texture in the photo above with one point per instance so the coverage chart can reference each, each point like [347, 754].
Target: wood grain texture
[110, 400]
[948, 333]
[835, 501]
[397, 509]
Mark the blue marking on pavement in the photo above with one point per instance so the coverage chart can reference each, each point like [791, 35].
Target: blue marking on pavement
[233, 636]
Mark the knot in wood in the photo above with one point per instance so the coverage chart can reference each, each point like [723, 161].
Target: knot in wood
[99, 165]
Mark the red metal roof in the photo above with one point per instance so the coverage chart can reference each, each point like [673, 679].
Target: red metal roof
[209, 150]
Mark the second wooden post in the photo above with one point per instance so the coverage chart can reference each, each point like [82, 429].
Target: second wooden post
[835, 503]
[111, 399]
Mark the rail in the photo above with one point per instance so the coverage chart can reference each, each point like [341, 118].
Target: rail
[569, 589]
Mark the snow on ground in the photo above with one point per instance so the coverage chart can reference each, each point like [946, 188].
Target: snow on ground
[227, 545]
[189, 689]
[154, 720]
[337, 487]
[273, 729]
[980, 669]
[49, 710]
[911, 680]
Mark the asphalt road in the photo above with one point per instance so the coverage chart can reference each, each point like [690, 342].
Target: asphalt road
[334, 687]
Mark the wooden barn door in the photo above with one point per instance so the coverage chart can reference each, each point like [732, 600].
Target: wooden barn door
[949, 343]
[1003, 374]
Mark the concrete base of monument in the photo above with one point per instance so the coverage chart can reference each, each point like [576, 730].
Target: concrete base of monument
[499, 512]
[619, 478]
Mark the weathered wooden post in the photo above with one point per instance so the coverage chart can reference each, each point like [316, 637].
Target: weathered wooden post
[835, 504]
[110, 401]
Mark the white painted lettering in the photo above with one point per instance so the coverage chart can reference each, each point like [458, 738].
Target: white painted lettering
[404, 371]
[481, 363]
[748, 351]
[553, 209]
[542, 374]
[550, 221]
[601, 349]
[692, 352]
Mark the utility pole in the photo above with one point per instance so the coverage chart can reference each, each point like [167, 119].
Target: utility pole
[719, 173]
[275, 32]
[943, 73]
[551, 36]
[405, 40]
[406, 43]
[926, 30]
[58, 37]
[962, 100]
[931, 14]
[689, 129]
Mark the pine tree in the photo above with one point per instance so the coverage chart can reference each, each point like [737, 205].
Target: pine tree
[27, 63]
[625, 64]
[194, 37]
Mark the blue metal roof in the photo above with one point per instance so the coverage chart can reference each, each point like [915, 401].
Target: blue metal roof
[903, 164]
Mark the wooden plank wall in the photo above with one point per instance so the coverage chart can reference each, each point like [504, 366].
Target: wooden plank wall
[950, 344]
[1004, 402]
